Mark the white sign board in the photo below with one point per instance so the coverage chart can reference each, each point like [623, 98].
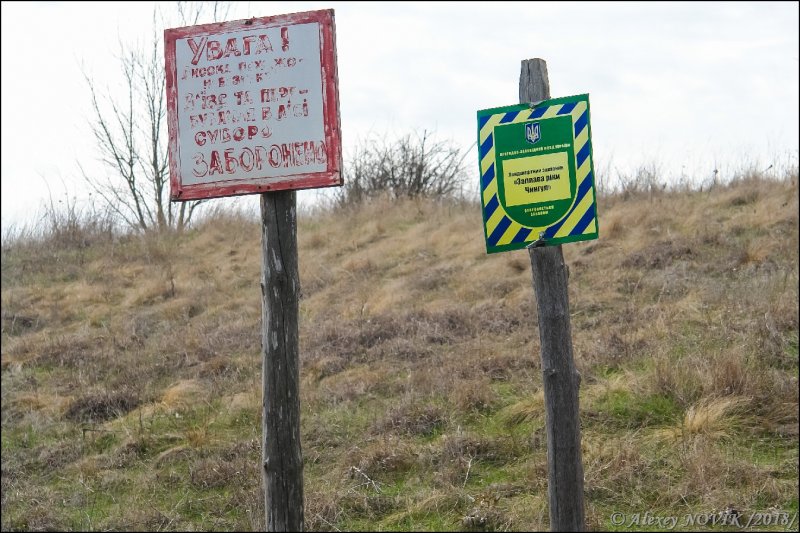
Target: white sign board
[253, 106]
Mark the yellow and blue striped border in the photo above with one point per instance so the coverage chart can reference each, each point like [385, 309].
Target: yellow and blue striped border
[580, 222]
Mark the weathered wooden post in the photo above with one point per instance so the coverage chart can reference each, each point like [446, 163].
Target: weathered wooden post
[537, 192]
[561, 379]
[253, 108]
[280, 287]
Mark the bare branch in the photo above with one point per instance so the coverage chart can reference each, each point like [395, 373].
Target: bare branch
[411, 166]
[131, 133]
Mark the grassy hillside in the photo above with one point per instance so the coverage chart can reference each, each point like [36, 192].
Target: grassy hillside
[131, 376]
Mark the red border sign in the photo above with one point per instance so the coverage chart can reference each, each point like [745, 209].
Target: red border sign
[253, 106]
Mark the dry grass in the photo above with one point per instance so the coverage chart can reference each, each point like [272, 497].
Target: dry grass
[711, 418]
[131, 366]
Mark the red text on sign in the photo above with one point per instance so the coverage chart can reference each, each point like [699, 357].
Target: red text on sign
[284, 155]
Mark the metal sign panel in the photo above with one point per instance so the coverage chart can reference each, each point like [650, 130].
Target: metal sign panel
[253, 106]
[537, 174]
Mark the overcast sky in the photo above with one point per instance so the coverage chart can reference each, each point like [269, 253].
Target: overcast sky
[687, 87]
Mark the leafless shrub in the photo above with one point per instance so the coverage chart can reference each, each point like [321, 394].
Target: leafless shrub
[102, 406]
[385, 454]
[415, 165]
[211, 473]
[485, 517]
[647, 179]
[66, 224]
[502, 367]
[462, 445]
[412, 419]
[58, 241]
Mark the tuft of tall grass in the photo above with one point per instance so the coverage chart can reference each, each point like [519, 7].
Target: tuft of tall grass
[711, 418]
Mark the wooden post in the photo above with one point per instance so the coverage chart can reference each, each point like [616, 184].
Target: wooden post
[280, 288]
[561, 379]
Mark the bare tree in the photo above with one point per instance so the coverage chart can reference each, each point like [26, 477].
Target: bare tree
[131, 133]
[413, 165]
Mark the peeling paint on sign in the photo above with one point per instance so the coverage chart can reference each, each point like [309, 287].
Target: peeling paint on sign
[253, 106]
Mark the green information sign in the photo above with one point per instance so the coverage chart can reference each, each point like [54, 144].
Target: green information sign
[537, 174]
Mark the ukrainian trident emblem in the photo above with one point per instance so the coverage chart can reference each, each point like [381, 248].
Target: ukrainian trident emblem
[532, 132]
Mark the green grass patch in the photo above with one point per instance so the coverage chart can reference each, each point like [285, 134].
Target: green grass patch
[627, 410]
